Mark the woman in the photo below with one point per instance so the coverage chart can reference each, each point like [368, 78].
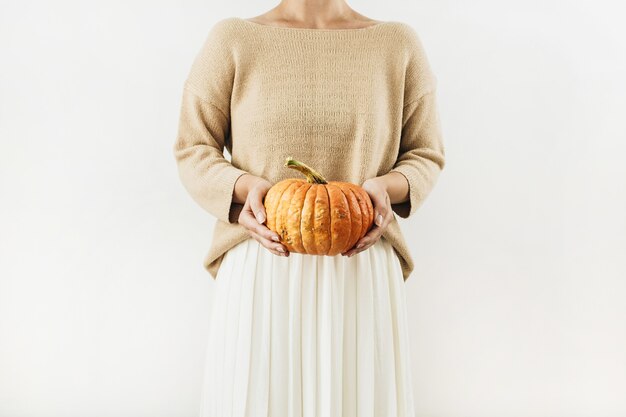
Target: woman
[294, 334]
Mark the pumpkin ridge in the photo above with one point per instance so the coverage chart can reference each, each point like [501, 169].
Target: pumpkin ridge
[305, 233]
[368, 204]
[339, 204]
[272, 204]
[330, 219]
[274, 208]
[282, 214]
[356, 226]
[349, 217]
[295, 211]
[362, 210]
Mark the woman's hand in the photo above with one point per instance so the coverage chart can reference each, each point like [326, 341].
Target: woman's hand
[253, 217]
[383, 214]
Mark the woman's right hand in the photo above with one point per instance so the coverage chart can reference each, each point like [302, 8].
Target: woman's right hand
[253, 218]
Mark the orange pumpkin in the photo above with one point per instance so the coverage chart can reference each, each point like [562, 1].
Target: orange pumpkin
[315, 216]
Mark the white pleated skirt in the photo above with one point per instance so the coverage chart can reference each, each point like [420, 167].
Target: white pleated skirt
[308, 336]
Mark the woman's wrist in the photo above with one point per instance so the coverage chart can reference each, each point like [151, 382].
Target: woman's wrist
[243, 185]
[395, 184]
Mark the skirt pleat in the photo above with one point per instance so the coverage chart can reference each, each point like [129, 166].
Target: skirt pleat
[308, 336]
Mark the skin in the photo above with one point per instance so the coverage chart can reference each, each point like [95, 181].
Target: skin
[314, 14]
[250, 190]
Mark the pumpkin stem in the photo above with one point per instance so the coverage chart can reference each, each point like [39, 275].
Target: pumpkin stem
[312, 175]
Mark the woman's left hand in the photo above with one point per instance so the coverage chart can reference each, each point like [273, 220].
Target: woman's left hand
[383, 215]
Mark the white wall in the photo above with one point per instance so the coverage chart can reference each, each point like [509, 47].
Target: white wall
[517, 300]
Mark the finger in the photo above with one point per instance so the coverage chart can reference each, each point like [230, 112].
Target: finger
[247, 220]
[366, 241]
[381, 209]
[263, 230]
[365, 246]
[256, 205]
[387, 219]
[273, 247]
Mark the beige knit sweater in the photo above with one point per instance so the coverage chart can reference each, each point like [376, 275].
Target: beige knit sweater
[351, 103]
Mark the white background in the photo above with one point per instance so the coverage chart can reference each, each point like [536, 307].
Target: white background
[518, 298]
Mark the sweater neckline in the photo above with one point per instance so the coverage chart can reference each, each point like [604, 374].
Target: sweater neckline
[310, 30]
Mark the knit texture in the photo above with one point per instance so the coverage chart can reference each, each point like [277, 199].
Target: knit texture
[351, 103]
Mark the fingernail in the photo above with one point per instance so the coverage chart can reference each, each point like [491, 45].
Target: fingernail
[279, 249]
[260, 217]
[360, 245]
[275, 238]
[379, 219]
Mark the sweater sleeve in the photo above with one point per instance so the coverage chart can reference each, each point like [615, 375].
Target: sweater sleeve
[204, 128]
[421, 155]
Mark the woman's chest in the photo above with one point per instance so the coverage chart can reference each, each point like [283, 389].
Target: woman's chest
[344, 104]
[325, 89]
